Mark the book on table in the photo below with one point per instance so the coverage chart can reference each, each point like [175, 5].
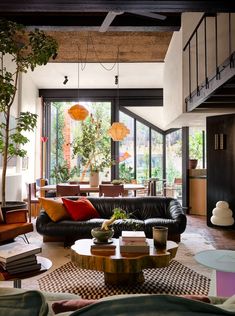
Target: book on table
[15, 250]
[138, 235]
[19, 269]
[29, 260]
[103, 248]
[133, 247]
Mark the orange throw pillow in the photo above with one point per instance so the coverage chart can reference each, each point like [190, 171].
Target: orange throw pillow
[81, 209]
[54, 208]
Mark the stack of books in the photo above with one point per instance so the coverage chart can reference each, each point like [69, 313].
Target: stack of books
[17, 258]
[107, 249]
[133, 241]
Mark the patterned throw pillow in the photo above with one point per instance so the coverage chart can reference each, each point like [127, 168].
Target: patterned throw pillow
[54, 208]
[81, 209]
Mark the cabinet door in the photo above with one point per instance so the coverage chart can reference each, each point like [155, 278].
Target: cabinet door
[197, 196]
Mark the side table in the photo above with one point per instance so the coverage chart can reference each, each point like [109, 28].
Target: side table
[45, 265]
[223, 276]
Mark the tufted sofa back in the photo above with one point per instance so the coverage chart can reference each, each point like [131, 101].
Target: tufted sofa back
[137, 207]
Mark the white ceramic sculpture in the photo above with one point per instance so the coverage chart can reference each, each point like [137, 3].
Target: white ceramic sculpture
[222, 215]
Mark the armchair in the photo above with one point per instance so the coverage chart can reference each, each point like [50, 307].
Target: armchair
[15, 224]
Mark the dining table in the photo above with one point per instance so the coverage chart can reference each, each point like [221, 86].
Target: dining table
[86, 188]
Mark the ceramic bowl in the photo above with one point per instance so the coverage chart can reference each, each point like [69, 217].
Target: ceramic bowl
[101, 235]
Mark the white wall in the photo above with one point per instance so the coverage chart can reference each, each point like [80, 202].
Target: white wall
[29, 99]
[172, 100]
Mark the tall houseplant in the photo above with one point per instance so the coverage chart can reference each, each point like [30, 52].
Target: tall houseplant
[26, 50]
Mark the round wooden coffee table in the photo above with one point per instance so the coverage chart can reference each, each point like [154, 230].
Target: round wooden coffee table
[121, 268]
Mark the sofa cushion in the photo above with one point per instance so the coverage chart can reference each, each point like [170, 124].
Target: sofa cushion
[71, 305]
[55, 209]
[151, 305]
[80, 210]
[29, 303]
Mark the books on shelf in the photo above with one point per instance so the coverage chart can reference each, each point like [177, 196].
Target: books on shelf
[131, 235]
[15, 250]
[133, 247]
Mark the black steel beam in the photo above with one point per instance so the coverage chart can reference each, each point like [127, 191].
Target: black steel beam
[104, 6]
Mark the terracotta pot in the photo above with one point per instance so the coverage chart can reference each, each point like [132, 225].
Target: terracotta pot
[94, 179]
[192, 163]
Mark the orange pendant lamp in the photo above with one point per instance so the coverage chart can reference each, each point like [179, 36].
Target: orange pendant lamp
[118, 131]
[78, 112]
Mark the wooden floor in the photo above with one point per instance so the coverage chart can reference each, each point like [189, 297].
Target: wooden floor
[221, 238]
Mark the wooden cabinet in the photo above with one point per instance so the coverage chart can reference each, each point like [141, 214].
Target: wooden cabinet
[197, 195]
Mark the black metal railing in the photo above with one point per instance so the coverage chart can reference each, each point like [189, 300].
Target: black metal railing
[188, 49]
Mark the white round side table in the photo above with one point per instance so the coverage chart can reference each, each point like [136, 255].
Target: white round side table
[223, 275]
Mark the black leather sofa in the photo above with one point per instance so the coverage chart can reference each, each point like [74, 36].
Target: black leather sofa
[145, 212]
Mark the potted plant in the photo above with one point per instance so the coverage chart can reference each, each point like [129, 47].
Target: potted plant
[195, 149]
[105, 232]
[92, 146]
[26, 50]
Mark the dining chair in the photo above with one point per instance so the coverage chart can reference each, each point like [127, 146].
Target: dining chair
[32, 200]
[67, 189]
[44, 181]
[111, 190]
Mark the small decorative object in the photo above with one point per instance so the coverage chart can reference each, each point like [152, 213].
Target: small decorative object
[78, 112]
[222, 214]
[193, 163]
[117, 181]
[94, 178]
[118, 131]
[160, 234]
[104, 233]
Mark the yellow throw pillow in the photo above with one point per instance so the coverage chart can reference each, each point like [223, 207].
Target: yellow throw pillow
[54, 209]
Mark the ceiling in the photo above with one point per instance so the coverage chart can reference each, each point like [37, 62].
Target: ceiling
[130, 38]
[138, 38]
[94, 76]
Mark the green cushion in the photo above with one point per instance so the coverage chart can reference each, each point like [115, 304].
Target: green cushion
[29, 303]
[151, 305]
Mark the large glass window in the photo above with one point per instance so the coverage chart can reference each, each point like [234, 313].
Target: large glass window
[64, 131]
[142, 152]
[173, 156]
[126, 150]
[157, 159]
[156, 154]
[196, 145]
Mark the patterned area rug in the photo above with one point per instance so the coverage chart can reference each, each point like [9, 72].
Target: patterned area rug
[174, 279]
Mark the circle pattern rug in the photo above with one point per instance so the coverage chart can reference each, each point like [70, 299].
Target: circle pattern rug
[175, 279]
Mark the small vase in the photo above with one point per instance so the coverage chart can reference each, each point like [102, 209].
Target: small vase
[94, 179]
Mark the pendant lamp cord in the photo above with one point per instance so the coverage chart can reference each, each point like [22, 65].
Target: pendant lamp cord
[78, 73]
[117, 79]
[84, 61]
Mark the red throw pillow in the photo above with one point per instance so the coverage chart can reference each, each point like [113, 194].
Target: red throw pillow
[81, 209]
[71, 305]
